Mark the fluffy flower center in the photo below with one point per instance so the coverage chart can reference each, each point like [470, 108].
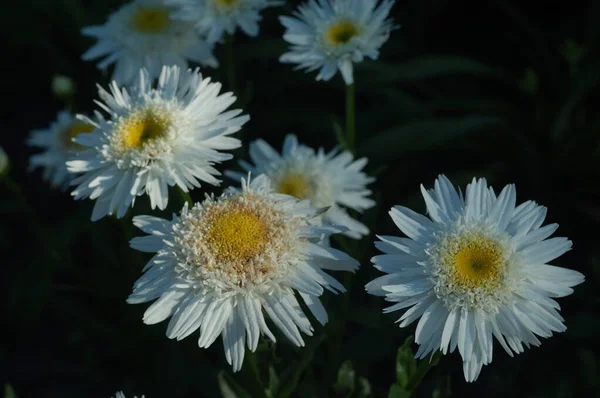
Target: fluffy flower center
[76, 128]
[238, 241]
[142, 128]
[471, 267]
[237, 235]
[151, 20]
[341, 32]
[295, 185]
[477, 262]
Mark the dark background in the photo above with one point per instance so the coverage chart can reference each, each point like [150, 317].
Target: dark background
[502, 89]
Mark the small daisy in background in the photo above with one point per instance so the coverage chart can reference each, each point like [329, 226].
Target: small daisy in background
[63, 87]
[222, 262]
[475, 270]
[58, 145]
[141, 34]
[329, 180]
[214, 18]
[154, 138]
[332, 35]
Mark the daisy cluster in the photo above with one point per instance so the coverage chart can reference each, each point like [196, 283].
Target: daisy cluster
[255, 259]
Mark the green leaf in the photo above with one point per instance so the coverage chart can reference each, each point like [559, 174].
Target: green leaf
[364, 388]
[432, 66]
[339, 134]
[345, 379]
[229, 387]
[291, 376]
[529, 82]
[443, 391]
[424, 134]
[9, 391]
[573, 52]
[405, 363]
[584, 83]
[398, 392]
[273, 382]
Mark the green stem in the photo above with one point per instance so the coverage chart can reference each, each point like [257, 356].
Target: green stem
[229, 67]
[340, 326]
[185, 196]
[424, 367]
[252, 376]
[350, 116]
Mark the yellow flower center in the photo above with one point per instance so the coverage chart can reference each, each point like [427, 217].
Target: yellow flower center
[237, 236]
[151, 19]
[226, 3]
[478, 262]
[76, 128]
[341, 32]
[237, 240]
[141, 129]
[295, 185]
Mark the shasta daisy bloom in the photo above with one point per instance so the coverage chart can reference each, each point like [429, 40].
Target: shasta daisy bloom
[476, 269]
[214, 18]
[154, 138]
[332, 180]
[222, 262]
[141, 34]
[57, 144]
[332, 35]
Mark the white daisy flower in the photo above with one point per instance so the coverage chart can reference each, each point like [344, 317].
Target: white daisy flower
[154, 138]
[333, 34]
[120, 394]
[57, 143]
[332, 180]
[477, 268]
[214, 18]
[220, 263]
[141, 34]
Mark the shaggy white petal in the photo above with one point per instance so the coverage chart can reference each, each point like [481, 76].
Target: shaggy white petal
[58, 147]
[213, 19]
[475, 270]
[141, 34]
[333, 181]
[154, 138]
[205, 276]
[332, 35]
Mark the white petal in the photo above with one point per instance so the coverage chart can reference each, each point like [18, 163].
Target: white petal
[233, 341]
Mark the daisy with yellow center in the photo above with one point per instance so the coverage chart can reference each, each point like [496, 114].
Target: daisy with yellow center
[215, 18]
[142, 34]
[57, 142]
[228, 264]
[476, 269]
[148, 20]
[332, 35]
[341, 32]
[328, 180]
[155, 137]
